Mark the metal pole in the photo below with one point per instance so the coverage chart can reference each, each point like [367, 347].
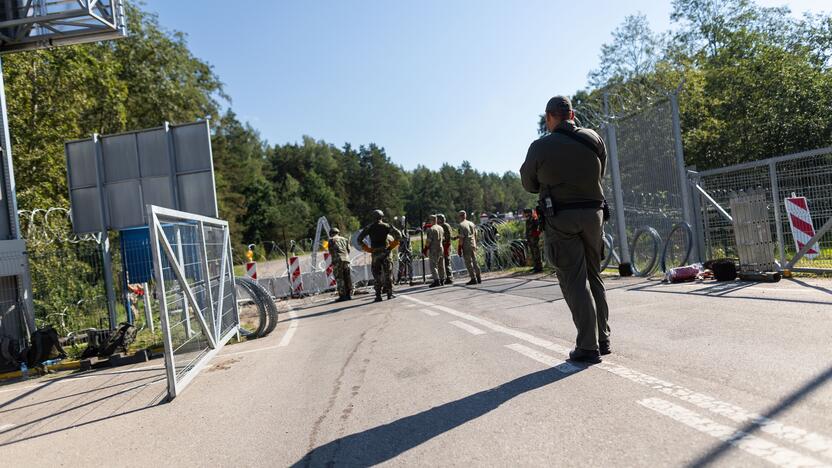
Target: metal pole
[775, 201]
[698, 219]
[148, 313]
[625, 267]
[107, 266]
[687, 203]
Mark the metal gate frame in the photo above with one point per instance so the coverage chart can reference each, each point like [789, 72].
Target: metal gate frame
[161, 246]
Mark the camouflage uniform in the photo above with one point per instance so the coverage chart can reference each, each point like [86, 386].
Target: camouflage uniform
[533, 229]
[382, 263]
[339, 251]
[436, 236]
[468, 246]
[447, 235]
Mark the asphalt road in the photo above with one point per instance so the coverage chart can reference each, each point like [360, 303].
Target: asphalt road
[731, 375]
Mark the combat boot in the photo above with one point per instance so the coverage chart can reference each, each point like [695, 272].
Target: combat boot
[449, 280]
[390, 295]
[378, 297]
[479, 280]
[472, 282]
[435, 284]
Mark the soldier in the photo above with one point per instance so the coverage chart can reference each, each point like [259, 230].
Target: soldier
[533, 239]
[433, 248]
[405, 254]
[339, 251]
[467, 248]
[447, 235]
[565, 168]
[382, 264]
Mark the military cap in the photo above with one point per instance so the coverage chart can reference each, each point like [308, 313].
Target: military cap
[378, 214]
[441, 217]
[334, 231]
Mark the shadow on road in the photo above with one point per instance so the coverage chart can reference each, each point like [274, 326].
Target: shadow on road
[79, 400]
[724, 290]
[385, 442]
[795, 397]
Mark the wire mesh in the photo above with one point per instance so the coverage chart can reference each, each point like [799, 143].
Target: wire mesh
[650, 182]
[807, 174]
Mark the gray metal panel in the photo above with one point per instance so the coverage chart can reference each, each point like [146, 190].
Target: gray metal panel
[86, 210]
[124, 200]
[157, 191]
[154, 158]
[121, 160]
[192, 145]
[80, 158]
[195, 194]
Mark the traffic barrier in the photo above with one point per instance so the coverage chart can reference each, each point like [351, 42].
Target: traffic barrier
[251, 270]
[330, 272]
[801, 222]
[295, 275]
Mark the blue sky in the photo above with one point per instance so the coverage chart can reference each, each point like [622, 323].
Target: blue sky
[432, 81]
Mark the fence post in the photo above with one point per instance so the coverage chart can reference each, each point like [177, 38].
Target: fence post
[698, 219]
[775, 201]
[107, 265]
[618, 194]
[687, 201]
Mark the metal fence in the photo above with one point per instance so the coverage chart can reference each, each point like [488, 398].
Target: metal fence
[806, 174]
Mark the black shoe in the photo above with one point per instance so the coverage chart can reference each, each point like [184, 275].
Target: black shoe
[537, 270]
[479, 280]
[341, 299]
[472, 282]
[390, 295]
[435, 284]
[449, 281]
[378, 298]
[604, 348]
[584, 355]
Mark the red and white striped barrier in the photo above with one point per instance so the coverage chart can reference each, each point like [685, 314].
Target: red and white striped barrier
[294, 274]
[802, 227]
[251, 270]
[330, 271]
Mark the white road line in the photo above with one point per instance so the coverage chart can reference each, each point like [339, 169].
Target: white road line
[6, 427]
[813, 441]
[430, 312]
[469, 328]
[754, 445]
[290, 332]
[558, 364]
[250, 350]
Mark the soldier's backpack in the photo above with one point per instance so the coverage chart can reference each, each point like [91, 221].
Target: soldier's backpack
[45, 345]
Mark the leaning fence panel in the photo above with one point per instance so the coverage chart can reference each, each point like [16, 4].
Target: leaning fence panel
[195, 285]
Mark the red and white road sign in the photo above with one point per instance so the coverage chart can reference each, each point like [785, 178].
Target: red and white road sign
[294, 274]
[330, 272]
[802, 227]
[251, 270]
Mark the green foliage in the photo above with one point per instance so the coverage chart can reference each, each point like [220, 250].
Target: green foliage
[757, 81]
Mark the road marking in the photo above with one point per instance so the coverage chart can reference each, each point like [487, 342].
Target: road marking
[469, 328]
[250, 351]
[559, 364]
[813, 441]
[6, 427]
[754, 445]
[430, 312]
[290, 332]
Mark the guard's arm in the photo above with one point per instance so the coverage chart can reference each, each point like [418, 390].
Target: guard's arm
[528, 171]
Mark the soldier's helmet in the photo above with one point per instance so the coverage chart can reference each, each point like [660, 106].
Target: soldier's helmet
[378, 214]
[440, 217]
[334, 232]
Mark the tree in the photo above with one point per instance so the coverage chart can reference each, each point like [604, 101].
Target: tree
[632, 54]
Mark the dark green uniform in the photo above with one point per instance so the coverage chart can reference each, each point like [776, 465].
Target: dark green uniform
[570, 172]
[382, 262]
[339, 251]
[468, 246]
